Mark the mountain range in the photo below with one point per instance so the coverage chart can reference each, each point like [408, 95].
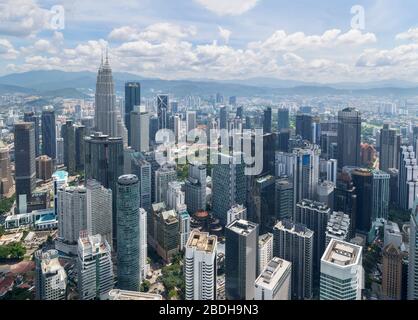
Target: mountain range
[54, 83]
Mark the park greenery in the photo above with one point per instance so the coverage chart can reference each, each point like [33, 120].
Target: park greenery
[13, 250]
[6, 204]
[173, 279]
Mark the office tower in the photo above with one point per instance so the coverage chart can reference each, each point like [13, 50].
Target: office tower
[163, 176]
[139, 126]
[143, 244]
[328, 140]
[240, 112]
[49, 134]
[228, 185]
[237, 212]
[265, 251]
[72, 213]
[294, 243]
[32, 117]
[315, 216]
[128, 236]
[392, 234]
[132, 99]
[88, 122]
[136, 164]
[219, 98]
[174, 105]
[341, 272]
[25, 170]
[274, 282]
[191, 121]
[413, 256]
[106, 113]
[240, 259]
[283, 137]
[184, 226]
[232, 100]
[338, 227]
[325, 193]
[332, 167]
[60, 179]
[104, 163]
[363, 181]
[153, 128]
[94, 268]
[200, 266]
[390, 142]
[99, 210]
[6, 180]
[349, 137]
[223, 118]
[380, 202]
[393, 186]
[162, 111]
[262, 204]
[307, 127]
[267, 120]
[177, 127]
[284, 199]
[306, 172]
[68, 134]
[50, 276]
[60, 151]
[392, 272]
[408, 178]
[80, 134]
[195, 188]
[283, 119]
[164, 231]
[284, 163]
[44, 168]
[175, 195]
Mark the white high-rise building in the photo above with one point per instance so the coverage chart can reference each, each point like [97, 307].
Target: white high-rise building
[175, 196]
[50, 276]
[338, 227]
[274, 282]
[143, 247]
[94, 267]
[413, 256]
[140, 129]
[265, 251]
[163, 176]
[72, 213]
[332, 167]
[408, 178]
[341, 272]
[99, 210]
[284, 164]
[200, 266]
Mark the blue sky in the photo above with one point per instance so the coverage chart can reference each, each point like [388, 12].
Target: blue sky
[220, 39]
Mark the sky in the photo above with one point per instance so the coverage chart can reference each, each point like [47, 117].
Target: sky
[324, 41]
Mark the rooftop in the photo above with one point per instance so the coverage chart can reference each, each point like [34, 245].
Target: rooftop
[273, 272]
[342, 253]
[242, 227]
[202, 241]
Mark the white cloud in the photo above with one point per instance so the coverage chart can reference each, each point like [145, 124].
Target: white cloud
[7, 51]
[228, 7]
[125, 33]
[23, 18]
[225, 34]
[411, 34]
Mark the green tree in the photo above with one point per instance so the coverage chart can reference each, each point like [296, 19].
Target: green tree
[145, 285]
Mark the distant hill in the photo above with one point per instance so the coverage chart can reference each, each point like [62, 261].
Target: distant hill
[51, 83]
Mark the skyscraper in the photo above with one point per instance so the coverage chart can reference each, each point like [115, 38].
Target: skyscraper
[32, 117]
[163, 176]
[408, 178]
[265, 251]
[267, 120]
[49, 134]
[132, 99]
[104, 163]
[68, 133]
[294, 243]
[228, 185]
[195, 188]
[240, 260]
[94, 268]
[413, 256]
[283, 119]
[274, 282]
[139, 130]
[305, 124]
[380, 204]
[200, 266]
[390, 143]
[162, 111]
[284, 199]
[6, 180]
[50, 276]
[191, 121]
[338, 227]
[363, 181]
[128, 235]
[223, 118]
[25, 169]
[341, 272]
[106, 113]
[392, 272]
[99, 210]
[349, 137]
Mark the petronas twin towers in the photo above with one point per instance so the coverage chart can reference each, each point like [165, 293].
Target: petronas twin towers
[107, 117]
